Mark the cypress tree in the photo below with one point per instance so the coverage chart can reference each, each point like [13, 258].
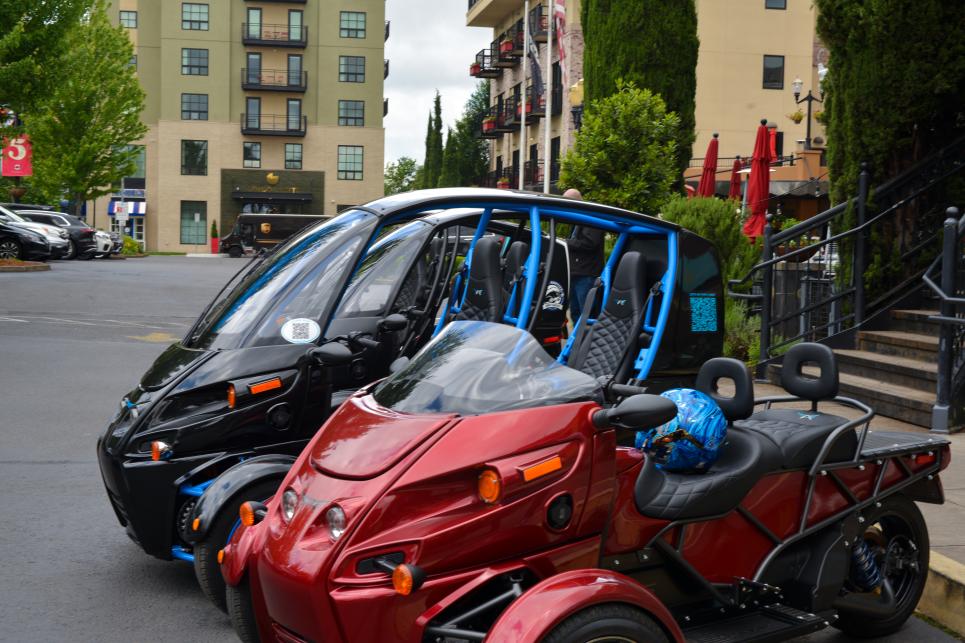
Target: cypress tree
[449, 175]
[651, 43]
[433, 164]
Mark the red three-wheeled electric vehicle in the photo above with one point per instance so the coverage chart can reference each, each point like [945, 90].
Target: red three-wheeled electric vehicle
[482, 492]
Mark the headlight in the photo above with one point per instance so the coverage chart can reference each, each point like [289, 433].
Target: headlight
[335, 518]
[289, 503]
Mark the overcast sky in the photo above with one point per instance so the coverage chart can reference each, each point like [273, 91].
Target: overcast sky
[430, 48]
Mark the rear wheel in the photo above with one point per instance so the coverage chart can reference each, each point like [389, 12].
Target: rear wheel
[241, 612]
[71, 250]
[10, 249]
[206, 567]
[898, 539]
[610, 623]
[235, 252]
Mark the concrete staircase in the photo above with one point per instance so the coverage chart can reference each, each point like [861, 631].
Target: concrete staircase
[894, 371]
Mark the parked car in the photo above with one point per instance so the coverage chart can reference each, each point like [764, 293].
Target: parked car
[16, 207]
[57, 238]
[19, 242]
[81, 236]
[104, 244]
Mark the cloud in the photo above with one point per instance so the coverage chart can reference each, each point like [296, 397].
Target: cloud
[430, 48]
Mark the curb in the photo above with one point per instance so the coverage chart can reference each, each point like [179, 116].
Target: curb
[205, 255]
[944, 595]
[35, 268]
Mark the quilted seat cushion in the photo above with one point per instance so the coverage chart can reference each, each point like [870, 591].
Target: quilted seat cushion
[799, 435]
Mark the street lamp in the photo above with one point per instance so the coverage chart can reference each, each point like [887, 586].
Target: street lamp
[798, 84]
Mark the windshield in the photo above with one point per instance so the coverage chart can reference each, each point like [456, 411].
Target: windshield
[482, 367]
[295, 283]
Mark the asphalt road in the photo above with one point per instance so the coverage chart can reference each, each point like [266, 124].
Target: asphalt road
[73, 341]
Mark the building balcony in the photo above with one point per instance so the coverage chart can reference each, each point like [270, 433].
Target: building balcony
[484, 66]
[385, 107]
[489, 13]
[539, 22]
[505, 52]
[535, 106]
[274, 80]
[387, 23]
[279, 1]
[273, 125]
[385, 69]
[261, 35]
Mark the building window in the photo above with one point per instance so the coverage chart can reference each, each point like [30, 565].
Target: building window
[352, 24]
[293, 156]
[252, 154]
[775, 4]
[132, 63]
[129, 19]
[194, 62]
[194, 158]
[351, 113]
[194, 222]
[351, 69]
[773, 72]
[194, 107]
[194, 17]
[350, 162]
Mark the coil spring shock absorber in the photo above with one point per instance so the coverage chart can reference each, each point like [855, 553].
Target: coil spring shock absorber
[864, 570]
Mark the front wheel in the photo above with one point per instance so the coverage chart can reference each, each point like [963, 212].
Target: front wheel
[898, 539]
[609, 623]
[241, 612]
[10, 249]
[71, 250]
[206, 567]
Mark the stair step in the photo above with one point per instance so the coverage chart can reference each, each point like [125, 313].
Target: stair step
[914, 321]
[895, 342]
[892, 369]
[771, 623]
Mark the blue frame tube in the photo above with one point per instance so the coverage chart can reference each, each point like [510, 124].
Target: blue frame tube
[531, 268]
[645, 359]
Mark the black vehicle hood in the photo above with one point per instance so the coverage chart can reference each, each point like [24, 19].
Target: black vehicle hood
[175, 359]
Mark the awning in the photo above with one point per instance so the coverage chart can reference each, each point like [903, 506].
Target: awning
[269, 197]
[134, 208]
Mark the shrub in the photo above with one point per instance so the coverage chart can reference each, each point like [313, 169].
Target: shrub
[741, 332]
[131, 247]
[719, 222]
[214, 229]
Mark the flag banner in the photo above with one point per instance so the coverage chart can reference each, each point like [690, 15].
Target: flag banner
[533, 50]
[17, 157]
[559, 20]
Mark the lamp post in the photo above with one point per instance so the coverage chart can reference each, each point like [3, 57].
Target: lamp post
[798, 84]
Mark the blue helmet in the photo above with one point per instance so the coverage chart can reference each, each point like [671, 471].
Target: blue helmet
[690, 441]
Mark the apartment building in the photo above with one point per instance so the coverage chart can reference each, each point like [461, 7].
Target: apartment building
[252, 106]
[750, 53]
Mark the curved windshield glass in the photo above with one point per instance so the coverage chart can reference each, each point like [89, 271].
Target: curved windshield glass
[481, 367]
[381, 272]
[299, 280]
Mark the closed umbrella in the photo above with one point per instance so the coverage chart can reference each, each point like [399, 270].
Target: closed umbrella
[758, 185]
[708, 179]
[735, 181]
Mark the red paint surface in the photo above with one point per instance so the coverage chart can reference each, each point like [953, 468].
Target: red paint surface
[17, 157]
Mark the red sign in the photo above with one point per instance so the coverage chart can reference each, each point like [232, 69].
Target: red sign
[17, 155]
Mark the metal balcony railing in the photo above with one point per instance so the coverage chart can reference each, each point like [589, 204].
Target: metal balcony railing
[273, 124]
[274, 35]
[279, 80]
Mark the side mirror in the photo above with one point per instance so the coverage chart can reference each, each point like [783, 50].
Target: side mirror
[331, 354]
[642, 411]
[395, 321]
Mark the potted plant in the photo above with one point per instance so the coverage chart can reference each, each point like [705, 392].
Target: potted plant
[214, 237]
[474, 69]
[821, 117]
[489, 123]
[502, 183]
[506, 45]
[796, 116]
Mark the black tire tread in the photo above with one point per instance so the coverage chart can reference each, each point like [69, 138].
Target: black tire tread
[241, 613]
[570, 628]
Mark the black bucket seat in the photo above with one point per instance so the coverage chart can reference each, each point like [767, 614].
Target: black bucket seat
[484, 284]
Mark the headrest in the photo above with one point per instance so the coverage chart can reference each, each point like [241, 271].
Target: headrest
[485, 259]
[630, 271]
[807, 387]
[741, 404]
[627, 292]
[515, 258]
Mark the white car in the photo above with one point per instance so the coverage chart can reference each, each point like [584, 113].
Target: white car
[103, 244]
[56, 237]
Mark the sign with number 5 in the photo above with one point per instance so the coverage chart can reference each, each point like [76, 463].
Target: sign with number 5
[17, 157]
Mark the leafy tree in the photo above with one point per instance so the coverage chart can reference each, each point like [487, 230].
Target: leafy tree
[449, 176]
[400, 176]
[83, 129]
[466, 157]
[433, 163]
[660, 56]
[625, 153]
[719, 222]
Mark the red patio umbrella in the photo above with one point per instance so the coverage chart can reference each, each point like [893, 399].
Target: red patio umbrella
[708, 179]
[758, 186]
[735, 181]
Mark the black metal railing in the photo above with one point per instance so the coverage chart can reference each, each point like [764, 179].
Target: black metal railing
[473, 3]
[385, 68]
[385, 107]
[485, 65]
[274, 124]
[539, 23]
[387, 30]
[834, 305]
[274, 35]
[557, 107]
[533, 175]
[288, 80]
[946, 278]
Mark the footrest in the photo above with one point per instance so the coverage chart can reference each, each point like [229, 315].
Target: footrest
[771, 623]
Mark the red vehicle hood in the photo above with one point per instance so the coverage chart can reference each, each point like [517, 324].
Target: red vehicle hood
[363, 440]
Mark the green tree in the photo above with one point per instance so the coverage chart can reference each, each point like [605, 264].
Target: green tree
[401, 175]
[83, 129]
[466, 157]
[449, 175]
[660, 56]
[625, 153]
[432, 167]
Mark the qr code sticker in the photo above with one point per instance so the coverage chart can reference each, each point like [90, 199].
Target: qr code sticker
[301, 331]
[703, 313]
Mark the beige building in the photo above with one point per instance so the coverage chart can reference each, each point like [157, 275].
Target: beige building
[750, 53]
[252, 106]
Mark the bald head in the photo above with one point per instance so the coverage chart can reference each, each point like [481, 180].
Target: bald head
[573, 193]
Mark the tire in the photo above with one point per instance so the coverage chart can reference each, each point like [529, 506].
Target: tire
[10, 249]
[71, 250]
[206, 567]
[611, 622]
[235, 252]
[896, 530]
[241, 612]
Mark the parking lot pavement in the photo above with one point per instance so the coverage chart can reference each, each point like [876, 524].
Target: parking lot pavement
[73, 341]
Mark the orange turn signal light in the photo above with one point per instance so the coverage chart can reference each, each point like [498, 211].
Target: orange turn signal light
[490, 486]
[247, 514]
[160, 450]
[545, 467]
[195, 524]
[407, 579]
[220, 556]
[264, 387]
[231, 396]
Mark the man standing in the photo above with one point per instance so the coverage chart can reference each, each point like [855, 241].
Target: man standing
[586, 260]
